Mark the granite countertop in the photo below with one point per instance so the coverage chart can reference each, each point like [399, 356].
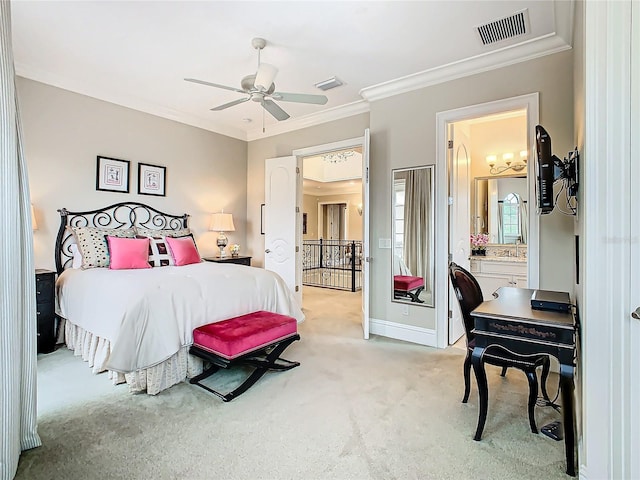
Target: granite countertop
[502, 259]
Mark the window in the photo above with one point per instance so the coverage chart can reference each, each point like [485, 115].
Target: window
[511, 217]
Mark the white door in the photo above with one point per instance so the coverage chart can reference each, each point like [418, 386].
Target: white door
[634, 251]
[459, 218]
[365, 234]
[281, 221]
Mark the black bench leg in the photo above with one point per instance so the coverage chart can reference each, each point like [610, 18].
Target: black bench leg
[205, 373]
[269, 363]
[262, 360]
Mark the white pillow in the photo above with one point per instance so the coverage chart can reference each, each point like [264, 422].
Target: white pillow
[77, 256]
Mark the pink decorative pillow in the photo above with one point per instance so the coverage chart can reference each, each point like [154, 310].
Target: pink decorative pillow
[128, 253]
[183, 250]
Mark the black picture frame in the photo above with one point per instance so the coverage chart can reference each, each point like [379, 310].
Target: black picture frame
[262, 219]
[112, 174]
[304, 223]
[152, 180]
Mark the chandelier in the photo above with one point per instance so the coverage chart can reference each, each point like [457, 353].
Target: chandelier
[338, 157]
[507, 163]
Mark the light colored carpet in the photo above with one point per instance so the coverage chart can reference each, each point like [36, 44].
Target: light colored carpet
[354, 409]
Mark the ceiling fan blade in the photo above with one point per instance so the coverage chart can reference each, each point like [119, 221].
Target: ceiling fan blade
[264, 77]
[209, 84]
[271, 107]
[300, 98]
[230, 104]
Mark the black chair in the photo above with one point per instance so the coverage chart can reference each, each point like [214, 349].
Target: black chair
[469, 297]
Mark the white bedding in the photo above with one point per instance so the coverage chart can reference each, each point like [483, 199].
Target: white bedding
[148, 315]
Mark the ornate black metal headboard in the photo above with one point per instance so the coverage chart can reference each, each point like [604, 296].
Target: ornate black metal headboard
[119, 215]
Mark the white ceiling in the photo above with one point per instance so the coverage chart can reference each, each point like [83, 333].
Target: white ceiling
[137, 53]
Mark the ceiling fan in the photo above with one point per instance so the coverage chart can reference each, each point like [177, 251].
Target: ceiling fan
[260, 88]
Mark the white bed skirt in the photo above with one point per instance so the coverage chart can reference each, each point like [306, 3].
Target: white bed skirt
[153, 380]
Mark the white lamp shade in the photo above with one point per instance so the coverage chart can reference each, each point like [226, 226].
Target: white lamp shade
[222, 222]
[34, 224]
[265, 76]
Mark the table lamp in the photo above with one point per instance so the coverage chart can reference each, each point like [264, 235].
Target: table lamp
[222, 222]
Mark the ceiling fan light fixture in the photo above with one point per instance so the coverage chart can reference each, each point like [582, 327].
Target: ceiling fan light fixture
[328, 84]
[265, 76]
[260, 88]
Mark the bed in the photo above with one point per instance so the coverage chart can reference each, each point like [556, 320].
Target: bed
[137, 324]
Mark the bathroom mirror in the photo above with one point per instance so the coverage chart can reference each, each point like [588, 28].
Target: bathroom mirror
[499, 208]
[412, 235]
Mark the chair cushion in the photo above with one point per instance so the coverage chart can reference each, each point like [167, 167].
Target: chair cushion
[406, 283]
[239, 335]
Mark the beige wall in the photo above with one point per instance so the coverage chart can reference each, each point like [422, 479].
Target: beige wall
[496, 137]
[403, 134]
[65, 131]
[310, 207]
[281, 146]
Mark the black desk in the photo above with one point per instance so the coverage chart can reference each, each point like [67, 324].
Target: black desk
[509, 321]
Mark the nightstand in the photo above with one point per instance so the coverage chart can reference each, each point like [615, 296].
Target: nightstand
[45, 310]
[239, 260]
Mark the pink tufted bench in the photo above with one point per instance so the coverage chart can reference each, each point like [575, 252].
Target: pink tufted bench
[257, 339]
[408, 286]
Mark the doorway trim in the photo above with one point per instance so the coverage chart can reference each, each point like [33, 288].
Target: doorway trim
[529, 103]
[325, 148]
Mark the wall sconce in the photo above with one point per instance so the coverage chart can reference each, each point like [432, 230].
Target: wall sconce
[222, 222]
[508, 164]
[359, 208]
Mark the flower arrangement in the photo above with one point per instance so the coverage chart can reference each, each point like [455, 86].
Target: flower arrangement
[479, 243]
[235, 249]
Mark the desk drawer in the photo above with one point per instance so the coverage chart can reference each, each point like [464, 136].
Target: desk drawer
[526, 330]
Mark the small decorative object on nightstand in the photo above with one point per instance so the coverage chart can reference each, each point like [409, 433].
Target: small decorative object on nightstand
[238, 260]
[45, 310]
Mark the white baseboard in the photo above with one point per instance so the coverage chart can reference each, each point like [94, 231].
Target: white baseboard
[582, 472]
[399, 331]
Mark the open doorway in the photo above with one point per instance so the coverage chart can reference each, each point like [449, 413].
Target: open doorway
[489, 229]
[332, 229]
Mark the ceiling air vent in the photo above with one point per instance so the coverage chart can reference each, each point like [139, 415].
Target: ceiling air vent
[504, 28]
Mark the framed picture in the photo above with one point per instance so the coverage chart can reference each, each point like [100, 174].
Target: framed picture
[262, 219]
[112, 175]
[304, 223]
[151, 179]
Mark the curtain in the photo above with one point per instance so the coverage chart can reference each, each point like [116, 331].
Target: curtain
[500, 228]
[17, 277]
[417, 205]
[524, 221]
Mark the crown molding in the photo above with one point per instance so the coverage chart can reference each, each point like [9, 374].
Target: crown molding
[510, 55]
[127, 101]
[324, 116]
[547, 45]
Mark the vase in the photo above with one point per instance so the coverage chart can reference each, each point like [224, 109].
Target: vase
[479, 252]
